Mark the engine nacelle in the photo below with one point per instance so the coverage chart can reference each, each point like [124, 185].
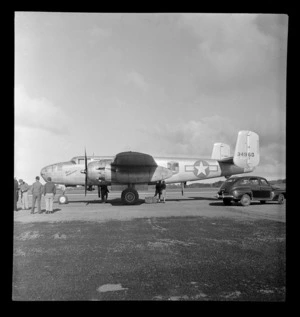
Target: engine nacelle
[99, 170]
[104, 171]
[139, 175]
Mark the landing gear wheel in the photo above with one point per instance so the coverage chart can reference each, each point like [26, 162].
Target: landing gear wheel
[62, 199]
[129, 196]
[280, 199]
[245, 200]
[226, 201]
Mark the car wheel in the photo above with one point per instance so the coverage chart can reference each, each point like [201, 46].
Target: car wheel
[262, 201]
[63, 199]
[280, 199]
[245, 200]
[226, 201]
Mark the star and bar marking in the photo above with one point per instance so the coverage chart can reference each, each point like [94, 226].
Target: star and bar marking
[201, 168]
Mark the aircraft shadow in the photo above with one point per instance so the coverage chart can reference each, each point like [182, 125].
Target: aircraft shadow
[113, 202]
[118, 201]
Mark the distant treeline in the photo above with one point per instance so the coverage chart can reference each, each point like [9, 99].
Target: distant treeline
[217, 184]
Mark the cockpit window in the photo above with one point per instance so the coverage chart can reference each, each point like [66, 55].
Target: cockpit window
[81, 160]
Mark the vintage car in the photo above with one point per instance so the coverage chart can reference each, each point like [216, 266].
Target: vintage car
[250, 188]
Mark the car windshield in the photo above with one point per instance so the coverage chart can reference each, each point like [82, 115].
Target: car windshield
[228, 182]
[231, 180]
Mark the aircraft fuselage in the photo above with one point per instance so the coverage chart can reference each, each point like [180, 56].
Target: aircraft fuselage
[182, 170]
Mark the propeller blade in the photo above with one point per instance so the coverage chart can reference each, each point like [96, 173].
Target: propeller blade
[86, 172]
[182, 188]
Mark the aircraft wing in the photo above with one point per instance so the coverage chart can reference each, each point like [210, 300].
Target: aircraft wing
[134, 167]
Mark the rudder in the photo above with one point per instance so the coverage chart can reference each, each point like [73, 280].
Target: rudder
[220, 151]
[246, 154]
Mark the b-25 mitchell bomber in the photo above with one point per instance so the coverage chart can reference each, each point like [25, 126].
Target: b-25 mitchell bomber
[134, 169]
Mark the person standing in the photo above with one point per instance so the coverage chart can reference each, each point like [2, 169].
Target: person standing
[24, 187]
[104, 193]
[158, 190]
[163, 191]
[49, 193]
[16, 194]
[37, 189]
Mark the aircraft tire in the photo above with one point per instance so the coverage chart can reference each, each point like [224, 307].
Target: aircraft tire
[280, 199]
[129, 196]
[245, 200]
[62, 200]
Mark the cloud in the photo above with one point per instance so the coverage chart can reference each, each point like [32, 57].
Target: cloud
[95, 34]
[137, 80]
[275, 25]
[231, 49]
[38, 113]
[34, 149]
[192, 138]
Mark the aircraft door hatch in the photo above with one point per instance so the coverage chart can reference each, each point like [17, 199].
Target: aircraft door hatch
[173, 166]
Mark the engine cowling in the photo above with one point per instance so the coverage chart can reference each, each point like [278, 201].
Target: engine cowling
[99, 170]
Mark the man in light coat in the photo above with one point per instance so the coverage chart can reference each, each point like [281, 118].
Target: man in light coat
[24, 187]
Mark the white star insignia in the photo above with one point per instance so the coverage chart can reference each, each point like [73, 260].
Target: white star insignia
[201, 169]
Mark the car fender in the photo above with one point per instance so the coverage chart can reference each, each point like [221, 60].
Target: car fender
[277, 193]
[241, 191]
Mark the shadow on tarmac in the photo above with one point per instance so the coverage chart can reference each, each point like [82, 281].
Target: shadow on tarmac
[113, 202]
[118, 201]
[220, 204]
[54, 210]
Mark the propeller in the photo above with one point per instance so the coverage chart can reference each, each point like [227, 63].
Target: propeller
[182, 187]
[86, 171]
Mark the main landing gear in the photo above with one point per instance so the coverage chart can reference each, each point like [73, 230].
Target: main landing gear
[129, 196]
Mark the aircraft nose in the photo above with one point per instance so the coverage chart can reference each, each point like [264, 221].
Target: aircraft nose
[43, 173]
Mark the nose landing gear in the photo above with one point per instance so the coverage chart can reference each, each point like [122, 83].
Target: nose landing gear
[63, 199]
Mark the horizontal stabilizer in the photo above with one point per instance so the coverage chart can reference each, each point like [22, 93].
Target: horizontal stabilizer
[246, 154]
[220, 151]
[227, 160]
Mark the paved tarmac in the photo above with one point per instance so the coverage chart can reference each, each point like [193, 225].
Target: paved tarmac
[190, 248]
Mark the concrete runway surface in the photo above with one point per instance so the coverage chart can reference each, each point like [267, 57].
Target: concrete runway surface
[191, 248]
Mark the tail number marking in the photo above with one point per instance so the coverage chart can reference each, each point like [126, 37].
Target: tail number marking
[250, 154]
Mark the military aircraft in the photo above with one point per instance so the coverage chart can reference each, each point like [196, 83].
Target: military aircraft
[134, 169]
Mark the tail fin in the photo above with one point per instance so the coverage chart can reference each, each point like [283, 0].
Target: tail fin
[220, 151]
[246, 154]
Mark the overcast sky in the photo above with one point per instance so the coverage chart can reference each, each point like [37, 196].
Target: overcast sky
[163, 84]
